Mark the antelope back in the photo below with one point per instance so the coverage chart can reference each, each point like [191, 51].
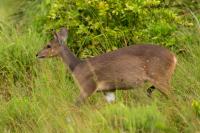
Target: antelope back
[128, 67]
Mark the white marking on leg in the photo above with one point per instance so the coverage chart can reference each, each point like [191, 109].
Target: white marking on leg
[110, 97]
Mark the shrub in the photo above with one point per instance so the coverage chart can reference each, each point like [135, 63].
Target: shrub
[103, 25]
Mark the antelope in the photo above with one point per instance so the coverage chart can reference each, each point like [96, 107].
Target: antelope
[124, 68]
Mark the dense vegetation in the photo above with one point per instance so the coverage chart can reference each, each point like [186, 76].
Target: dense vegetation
[38, 95]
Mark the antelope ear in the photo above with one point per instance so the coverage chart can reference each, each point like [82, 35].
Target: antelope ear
[55, 35]
[62, 35]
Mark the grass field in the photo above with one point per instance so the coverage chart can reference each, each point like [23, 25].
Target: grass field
[38, 95]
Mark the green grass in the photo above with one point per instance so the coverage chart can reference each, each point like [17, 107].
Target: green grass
[38, 95]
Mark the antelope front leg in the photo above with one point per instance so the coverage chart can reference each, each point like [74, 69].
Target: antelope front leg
[84, 94]
[81, 99]
[86, 90]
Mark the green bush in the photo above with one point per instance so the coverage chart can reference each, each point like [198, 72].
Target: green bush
[103, 25]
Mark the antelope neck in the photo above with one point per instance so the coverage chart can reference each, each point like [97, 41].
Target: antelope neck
[69, 58]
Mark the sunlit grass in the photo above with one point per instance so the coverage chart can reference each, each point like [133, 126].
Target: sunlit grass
[42, 94]
[38, 95]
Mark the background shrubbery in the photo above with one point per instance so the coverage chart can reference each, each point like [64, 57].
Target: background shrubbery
[38, 95]
[99, 26]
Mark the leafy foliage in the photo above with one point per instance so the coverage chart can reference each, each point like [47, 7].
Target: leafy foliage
[106, 25]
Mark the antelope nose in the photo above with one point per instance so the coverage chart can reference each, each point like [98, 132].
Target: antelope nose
[36, 55]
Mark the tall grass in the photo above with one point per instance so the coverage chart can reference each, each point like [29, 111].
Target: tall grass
[38, 95]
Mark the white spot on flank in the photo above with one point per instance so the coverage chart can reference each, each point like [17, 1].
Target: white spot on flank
[110, 97]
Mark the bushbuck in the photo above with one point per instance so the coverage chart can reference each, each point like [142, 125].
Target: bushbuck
[124, 68]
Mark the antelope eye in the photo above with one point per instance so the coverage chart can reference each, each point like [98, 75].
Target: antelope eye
[48, 46]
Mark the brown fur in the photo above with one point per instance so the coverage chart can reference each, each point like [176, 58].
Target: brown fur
[124, 68]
